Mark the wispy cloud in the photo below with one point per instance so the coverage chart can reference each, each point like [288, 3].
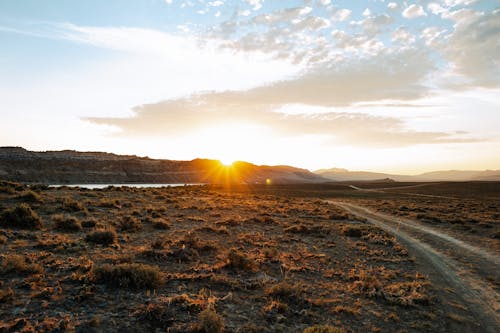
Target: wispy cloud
[474, 49]
[175, 117]
[321, 86]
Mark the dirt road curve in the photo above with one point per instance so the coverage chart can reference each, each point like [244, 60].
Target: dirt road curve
[468, 271]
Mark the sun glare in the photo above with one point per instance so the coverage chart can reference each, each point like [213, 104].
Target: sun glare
[226, 162]
[230, 142]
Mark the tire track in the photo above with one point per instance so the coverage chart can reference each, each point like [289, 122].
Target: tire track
[481, 299]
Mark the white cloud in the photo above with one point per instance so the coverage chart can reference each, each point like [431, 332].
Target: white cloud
[373, 25]
[462, 16]
[341, 15]
[431, 34]
[414, 11]
[402, 35]
[216, 3]
[257, 4]
[245, 12]
[436, 8]
[325, 2]
[169, 2]
[367, 12]
[312, 23]
[454, 3]
[323, 86]
[473, 48]
[392, 5]
[282, 16]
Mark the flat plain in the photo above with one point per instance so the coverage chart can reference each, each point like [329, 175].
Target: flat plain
[250, 258]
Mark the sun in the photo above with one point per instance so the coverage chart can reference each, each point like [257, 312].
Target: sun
[229, 142]
[227, 162]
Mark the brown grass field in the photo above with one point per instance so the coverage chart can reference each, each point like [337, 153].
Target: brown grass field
[231, 259]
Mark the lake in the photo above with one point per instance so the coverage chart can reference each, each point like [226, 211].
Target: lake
[101, 186]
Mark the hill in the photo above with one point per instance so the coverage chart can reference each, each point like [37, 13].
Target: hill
[337, 174]
[73, 167]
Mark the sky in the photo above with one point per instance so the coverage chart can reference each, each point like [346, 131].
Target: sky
[390, 86]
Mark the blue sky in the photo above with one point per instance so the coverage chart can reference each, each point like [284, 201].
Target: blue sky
[401, 86]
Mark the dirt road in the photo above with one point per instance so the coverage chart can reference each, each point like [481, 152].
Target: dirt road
[462, 272]
[388, 190]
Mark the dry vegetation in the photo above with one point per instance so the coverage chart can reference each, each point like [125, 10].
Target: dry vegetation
[197, 259]
[469, 211]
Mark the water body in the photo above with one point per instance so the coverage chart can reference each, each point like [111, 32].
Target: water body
[101, 186]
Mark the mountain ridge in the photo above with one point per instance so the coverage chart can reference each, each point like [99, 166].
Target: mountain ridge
[337, 174]
[73, 167]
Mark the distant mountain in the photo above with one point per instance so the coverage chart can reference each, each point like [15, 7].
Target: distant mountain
[73, 167]
[337, 174]
[462, 175]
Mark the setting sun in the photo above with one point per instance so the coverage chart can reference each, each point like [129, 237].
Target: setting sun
[227, 162]
[230, 142]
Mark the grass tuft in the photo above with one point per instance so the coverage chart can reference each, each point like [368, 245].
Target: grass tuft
[21, 217]
[238, 260]
[67, 223]
[323, 329]
[133, 276]
[18, 264]
[210, 322]
[104, 237]
[30, 196]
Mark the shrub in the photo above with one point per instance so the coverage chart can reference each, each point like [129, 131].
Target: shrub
[161, 224]
[134, 276]
[104, 237]
[352, 231]
[71, 205]
[89, 223]
[39, 187]
[323, 329]
[129, 223]
[109, 203]
[237, 260]
[30, 196]
[10, 187]
[22, 217]
[68, 223]
[18, 264]
[162, 311]
[275, 307]
[6, 295]
[210, 322]
[285, 291]
[407, 293]
[366, 283]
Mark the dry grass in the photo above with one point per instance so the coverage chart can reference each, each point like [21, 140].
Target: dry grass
[104, 237]
[133, 276]
[21, 217]
[67, 223]
[18, 264]
[323, 329]
[201, 259]
[210, 322]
